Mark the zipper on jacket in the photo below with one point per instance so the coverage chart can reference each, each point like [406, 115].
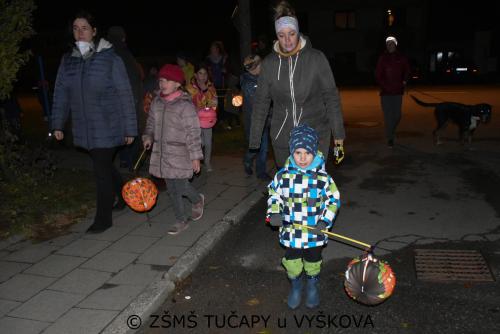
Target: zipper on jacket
[84, 113]
[161, 136]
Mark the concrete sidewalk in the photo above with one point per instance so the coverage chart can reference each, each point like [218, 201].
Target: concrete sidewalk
[94, 283]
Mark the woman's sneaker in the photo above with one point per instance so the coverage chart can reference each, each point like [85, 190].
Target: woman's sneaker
[197, 210]
[178, 227]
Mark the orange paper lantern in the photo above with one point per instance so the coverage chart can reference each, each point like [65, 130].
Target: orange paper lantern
[140, 194]
[237, 100]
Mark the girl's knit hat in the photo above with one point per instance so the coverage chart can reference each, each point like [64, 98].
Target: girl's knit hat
[172, 72]
[303, 136]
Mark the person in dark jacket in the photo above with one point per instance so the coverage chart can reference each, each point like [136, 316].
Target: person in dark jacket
[299, 82]
[117, 36]
[93, 87]
[248, 83]
[392, 73]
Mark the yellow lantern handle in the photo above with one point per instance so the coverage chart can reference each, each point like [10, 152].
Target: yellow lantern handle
[334, 235]
[139, 160]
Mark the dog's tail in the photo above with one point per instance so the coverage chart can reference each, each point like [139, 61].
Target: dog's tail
[422, 103]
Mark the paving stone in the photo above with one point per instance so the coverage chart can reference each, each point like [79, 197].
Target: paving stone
[110, 261]
[22, 287]
[210, 217]
[63, 240]
[31, 254]
[84, 224]
[136, 274]
[6, 306]
[129, 219]
[4, 253]
[82, 321]
[163, 217]
[55, 265]
[163, 253]
[111, 297]
[10, 325]
[225, 204]
[9, 269]
[236, 192]
[111, 234]
[84, 247]
[6, 243]
[12, 247]
[47, 306]
[155, 229]
[133, 244]
[186, 238]
[81, 281]
[212, 191]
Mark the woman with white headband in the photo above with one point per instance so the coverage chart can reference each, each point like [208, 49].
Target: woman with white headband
[299, 82]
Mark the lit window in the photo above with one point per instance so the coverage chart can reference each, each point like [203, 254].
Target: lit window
[345, 20]
[439, 56]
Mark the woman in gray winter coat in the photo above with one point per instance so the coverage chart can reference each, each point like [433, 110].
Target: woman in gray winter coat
[92, 86]
[173, 132]
[299, 82]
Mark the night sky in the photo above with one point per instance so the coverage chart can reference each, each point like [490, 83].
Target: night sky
[152, 27]
[162, 28]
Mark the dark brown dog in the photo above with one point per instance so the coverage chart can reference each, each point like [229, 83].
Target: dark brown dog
[467, 117]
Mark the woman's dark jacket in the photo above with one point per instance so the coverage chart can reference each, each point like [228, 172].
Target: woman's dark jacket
[315, 94]
[96, 92]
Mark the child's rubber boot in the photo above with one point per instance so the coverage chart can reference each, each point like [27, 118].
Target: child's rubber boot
[295, 292]
[312, 299]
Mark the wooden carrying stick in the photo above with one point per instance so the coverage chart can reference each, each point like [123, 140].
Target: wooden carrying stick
[139, 160]
[334, 235]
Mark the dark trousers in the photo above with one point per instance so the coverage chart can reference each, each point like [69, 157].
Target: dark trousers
[391, 106]
[108, 184]
[177, 189]
[312, 254]
[129, 153]
[260, 156]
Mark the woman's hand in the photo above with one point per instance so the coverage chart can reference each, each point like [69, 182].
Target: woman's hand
[129, 140]
[59, 134]
[339, 142]
[196, 166]
[147, 143]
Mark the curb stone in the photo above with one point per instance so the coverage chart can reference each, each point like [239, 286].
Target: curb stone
[156, 293]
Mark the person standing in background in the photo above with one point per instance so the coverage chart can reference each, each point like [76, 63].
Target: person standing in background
[248, 83]
[187, 67]
[205, 100]
[117, 36]
[392, 73]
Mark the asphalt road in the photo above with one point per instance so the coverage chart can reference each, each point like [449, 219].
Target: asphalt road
[415, 196]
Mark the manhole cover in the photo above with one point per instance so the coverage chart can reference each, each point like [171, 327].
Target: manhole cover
[451, 265]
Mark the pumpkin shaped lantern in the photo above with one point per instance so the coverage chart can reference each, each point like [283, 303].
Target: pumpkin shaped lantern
[140, 194]
[368, 280]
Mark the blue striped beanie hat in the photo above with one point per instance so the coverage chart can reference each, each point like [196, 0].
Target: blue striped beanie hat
[303, 136]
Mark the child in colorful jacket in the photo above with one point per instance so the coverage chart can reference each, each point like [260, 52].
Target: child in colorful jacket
[204, 98]
[302, 193]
